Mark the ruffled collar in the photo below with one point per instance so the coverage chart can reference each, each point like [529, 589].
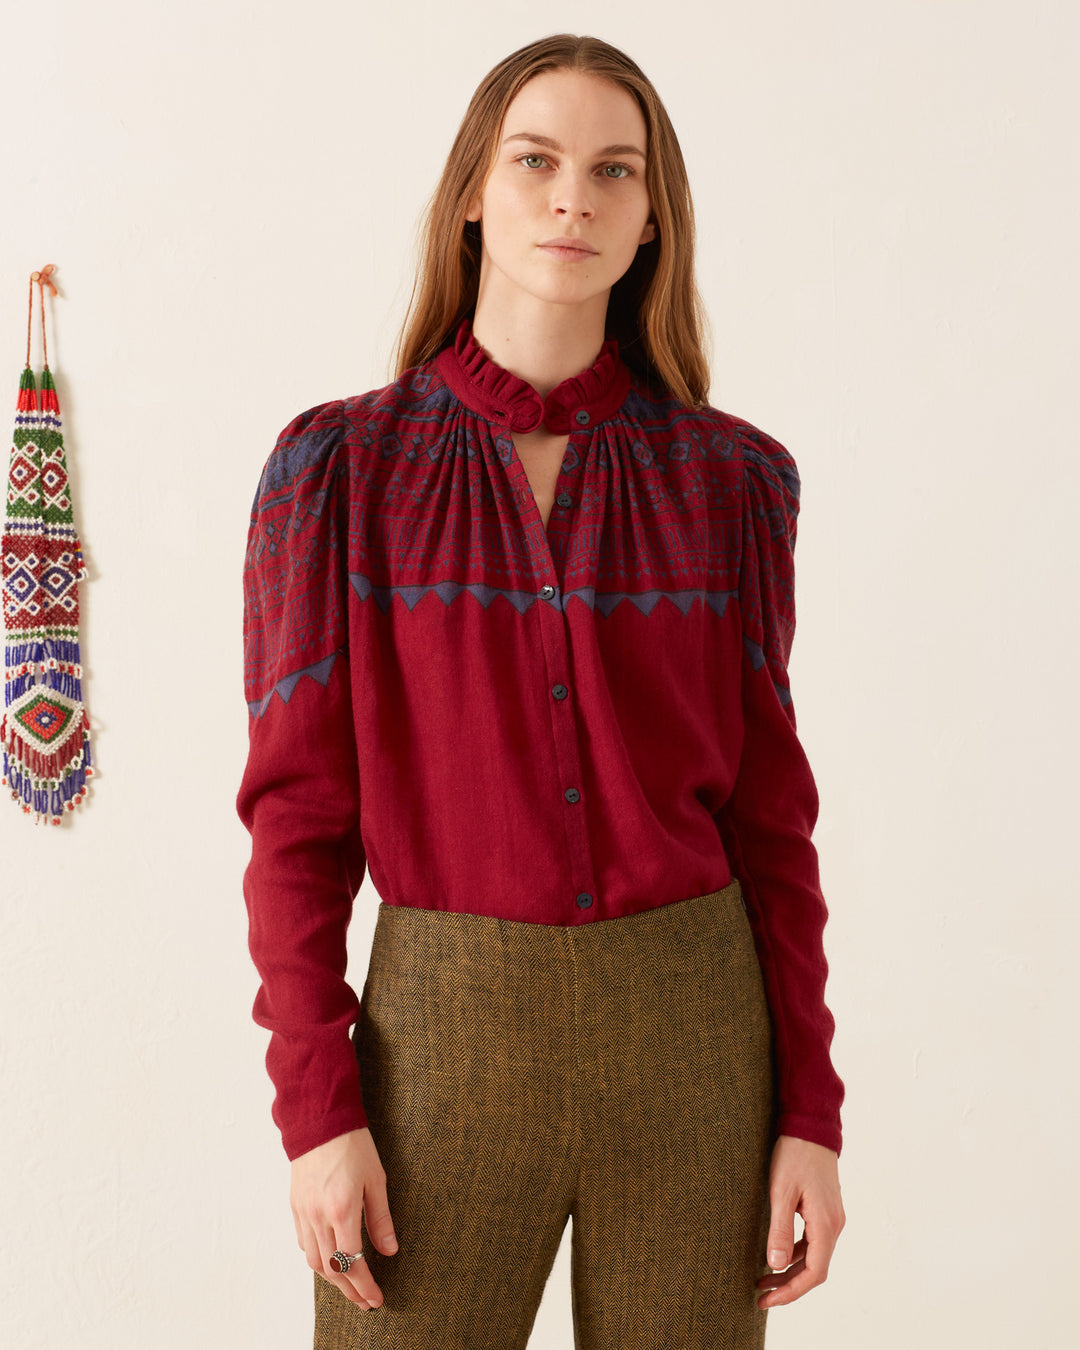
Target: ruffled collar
[506, 399]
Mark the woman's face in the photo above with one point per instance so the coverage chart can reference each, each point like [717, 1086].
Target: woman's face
[584, 189]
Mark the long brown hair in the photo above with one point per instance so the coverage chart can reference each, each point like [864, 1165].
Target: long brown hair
[654, 310]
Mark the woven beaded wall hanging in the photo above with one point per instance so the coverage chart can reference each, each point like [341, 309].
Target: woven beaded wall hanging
[45, 729]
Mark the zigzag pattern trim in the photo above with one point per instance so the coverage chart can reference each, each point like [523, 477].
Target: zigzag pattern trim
[447, 591]
[319, 672]
[757, 660]
[604, 601]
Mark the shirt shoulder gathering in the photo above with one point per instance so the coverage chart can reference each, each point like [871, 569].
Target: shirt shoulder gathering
[313, 436]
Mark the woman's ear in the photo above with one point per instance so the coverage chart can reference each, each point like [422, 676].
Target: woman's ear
[648, 234]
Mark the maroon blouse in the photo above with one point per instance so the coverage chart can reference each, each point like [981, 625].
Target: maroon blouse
[563, 726]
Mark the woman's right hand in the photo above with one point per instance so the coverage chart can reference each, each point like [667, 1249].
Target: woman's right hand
[332, 1187]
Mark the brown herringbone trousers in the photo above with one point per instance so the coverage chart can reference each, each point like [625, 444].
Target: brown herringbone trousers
[517, 1074]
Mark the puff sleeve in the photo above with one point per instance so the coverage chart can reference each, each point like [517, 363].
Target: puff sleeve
[300, 797]
[766, 824]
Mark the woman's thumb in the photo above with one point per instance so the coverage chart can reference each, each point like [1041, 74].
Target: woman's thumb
[380, 1226]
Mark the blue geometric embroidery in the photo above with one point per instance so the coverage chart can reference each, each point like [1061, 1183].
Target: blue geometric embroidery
[604, 601]
[447, 590]
[757, 660]
[320, 672]
[296, 545]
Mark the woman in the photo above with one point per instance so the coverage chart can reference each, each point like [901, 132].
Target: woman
[516, 637]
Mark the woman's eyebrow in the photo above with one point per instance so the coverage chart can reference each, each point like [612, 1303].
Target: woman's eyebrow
[549, 144]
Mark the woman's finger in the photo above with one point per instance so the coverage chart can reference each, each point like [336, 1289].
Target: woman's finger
[358, 1284]
[801, 1276]
[362, 1280]
[780, 1279]
[774, 1277]
[377, 1217]
[305, 1236]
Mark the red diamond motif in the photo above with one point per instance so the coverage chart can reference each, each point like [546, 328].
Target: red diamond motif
[45, 718]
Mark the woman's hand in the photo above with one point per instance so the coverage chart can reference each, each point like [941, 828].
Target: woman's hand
[802, 1179]
[332, 1187]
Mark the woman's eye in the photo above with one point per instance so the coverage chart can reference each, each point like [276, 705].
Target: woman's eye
[628, 172]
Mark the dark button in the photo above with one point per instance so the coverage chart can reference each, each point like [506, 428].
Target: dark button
[559, 690]
[564, 499]
[546, 592]
[582, 417]
[572, 795]
[584, 900]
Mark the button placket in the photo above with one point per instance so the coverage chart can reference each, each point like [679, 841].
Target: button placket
[555, 640]
[509, 402]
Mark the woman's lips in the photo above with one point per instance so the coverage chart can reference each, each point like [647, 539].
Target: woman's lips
[570, 254]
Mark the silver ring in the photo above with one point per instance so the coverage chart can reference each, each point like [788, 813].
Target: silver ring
[340, 1262]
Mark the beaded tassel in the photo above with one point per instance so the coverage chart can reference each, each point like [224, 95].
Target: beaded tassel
[45, 730]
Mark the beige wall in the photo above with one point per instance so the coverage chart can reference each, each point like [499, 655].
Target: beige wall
[887, 204]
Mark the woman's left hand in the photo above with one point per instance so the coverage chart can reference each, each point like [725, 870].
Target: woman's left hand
[802, 1179]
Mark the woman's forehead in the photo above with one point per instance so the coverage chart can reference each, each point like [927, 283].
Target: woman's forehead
[575, 110]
